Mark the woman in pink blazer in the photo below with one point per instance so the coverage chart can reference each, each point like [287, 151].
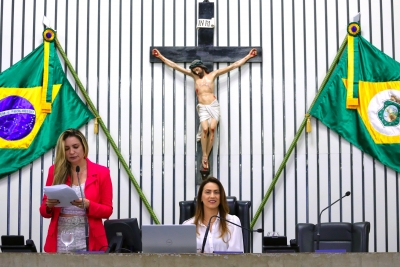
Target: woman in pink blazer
[95, 183]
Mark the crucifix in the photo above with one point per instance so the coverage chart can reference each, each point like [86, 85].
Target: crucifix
[202, 58]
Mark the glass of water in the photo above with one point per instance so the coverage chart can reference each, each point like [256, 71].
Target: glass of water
[67, 237]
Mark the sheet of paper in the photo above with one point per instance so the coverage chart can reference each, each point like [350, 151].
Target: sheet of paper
[62, 192]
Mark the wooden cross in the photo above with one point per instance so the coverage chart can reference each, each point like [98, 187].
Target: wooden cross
[209, 54]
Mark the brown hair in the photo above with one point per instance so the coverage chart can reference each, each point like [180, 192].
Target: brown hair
[62, 167]
[205, 70]
[198, 63]
[223, 207]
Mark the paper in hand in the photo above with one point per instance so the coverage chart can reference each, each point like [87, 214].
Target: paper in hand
[62, 192]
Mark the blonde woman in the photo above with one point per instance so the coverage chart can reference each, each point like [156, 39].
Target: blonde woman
[95, 183]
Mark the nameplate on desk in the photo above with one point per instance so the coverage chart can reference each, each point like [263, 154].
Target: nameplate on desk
[228, 252]
[330, 251]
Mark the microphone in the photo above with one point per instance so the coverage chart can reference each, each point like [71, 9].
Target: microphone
[319, 218]
[208, 229]
[84, 208]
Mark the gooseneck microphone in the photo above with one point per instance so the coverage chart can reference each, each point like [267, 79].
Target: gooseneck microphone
[84, 208]
[216, 216]
[319, 218]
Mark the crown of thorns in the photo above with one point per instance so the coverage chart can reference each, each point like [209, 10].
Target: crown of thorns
[197, 63]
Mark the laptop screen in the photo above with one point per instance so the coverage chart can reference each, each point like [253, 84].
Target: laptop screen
[169, 238]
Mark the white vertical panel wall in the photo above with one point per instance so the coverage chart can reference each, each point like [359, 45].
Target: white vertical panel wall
[149, 109]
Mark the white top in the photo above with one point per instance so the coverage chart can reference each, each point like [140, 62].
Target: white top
[214, 243]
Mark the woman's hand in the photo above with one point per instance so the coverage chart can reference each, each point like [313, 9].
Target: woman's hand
[79, 203]
[50, 203]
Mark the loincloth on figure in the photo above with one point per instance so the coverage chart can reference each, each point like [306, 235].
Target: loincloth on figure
[207, 112]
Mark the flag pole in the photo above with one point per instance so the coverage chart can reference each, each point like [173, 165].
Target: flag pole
[297, 136]
[110, 139]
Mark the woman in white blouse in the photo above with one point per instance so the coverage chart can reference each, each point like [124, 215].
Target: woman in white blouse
[223, 236]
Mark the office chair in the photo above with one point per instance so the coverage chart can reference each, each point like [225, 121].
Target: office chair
[239, 208]
[353, 237]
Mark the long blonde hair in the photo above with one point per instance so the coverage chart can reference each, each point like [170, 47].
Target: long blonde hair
[223, 207]
[62, 167]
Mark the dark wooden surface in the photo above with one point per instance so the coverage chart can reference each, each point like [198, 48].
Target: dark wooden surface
[199, 159]
[206, 35]
[221, 54]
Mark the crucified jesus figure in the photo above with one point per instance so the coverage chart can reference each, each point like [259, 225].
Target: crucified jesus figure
[208, 106]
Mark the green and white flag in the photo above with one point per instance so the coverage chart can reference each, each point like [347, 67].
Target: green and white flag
[37, 103]
[361, 100]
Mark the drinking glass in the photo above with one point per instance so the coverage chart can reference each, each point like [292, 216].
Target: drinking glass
[67, 237]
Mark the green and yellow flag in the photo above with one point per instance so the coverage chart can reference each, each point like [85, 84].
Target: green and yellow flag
[37, 103]
[361, 100]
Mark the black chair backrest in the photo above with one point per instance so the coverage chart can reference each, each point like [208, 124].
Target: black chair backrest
[239, 208]
[353, 237]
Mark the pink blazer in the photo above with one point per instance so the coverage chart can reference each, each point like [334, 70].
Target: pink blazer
[98, 189]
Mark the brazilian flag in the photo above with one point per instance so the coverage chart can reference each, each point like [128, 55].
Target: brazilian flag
[37, 103]
[361, 100]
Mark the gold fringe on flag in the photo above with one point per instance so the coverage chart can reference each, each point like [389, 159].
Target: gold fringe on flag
[46, 106]
[352, 63]
[96, 125]
[308, 125]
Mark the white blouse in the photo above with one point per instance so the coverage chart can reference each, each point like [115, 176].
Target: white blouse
[214, 242]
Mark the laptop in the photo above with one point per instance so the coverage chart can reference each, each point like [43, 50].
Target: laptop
[165, 238]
